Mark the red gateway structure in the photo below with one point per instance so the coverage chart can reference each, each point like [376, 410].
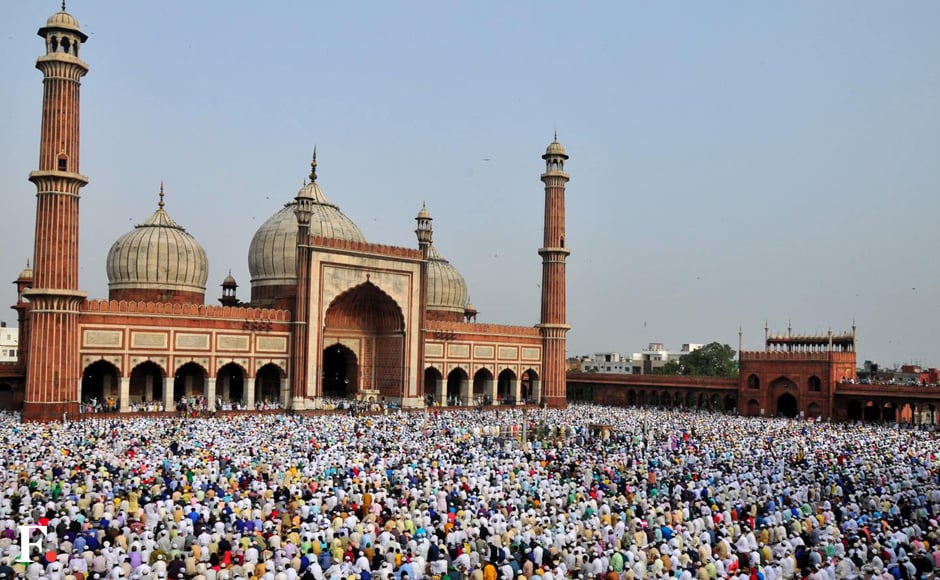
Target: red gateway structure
[330, 314]
[804, 376]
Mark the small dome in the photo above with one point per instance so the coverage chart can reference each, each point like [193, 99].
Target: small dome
[63, 19]
[556, 148]
[447, 289]
[272, 255]
[229, 280]
[470, 308]
[158, 255]
[27, 273]
[423, 214]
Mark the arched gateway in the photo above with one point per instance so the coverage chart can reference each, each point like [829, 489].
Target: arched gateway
[366, 330]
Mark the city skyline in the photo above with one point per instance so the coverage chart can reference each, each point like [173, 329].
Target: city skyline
[730, 165]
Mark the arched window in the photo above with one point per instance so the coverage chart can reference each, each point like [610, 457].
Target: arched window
[753, 382]
[815, 384]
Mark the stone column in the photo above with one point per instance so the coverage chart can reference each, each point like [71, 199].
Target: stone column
[250, 393]
[286, 401]
[168, 395]
[124, 396]
[490, 390]
[439, 395]
[535, 386]
[515, 389]
[210, 393]
[466, 392]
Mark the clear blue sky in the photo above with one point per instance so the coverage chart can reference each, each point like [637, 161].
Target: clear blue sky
[732, 162]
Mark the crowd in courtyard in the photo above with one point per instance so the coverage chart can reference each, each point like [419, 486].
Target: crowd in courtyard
[588, 493]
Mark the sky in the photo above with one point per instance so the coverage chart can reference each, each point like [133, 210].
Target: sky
[732, 163]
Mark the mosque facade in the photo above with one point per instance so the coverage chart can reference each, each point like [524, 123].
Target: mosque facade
[330, 314]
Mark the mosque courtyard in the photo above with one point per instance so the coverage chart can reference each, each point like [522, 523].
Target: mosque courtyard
[585, 492]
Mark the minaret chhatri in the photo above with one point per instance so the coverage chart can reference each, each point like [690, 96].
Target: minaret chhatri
[553, 326]
[53, 374]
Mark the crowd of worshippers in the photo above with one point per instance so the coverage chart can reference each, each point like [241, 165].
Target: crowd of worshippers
[468, 494]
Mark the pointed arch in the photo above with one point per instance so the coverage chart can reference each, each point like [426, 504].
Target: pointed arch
[230, 386]
[101, 388]
[482, 386]
[189, 384]
[147, 386]
[506, 385]
[433, 386]
[365, 312]
[530, 388]
[814, 384]
[365, 307]
[269, 386]
[753, 408]
[787, 405]
[340, 371]
[458, 387]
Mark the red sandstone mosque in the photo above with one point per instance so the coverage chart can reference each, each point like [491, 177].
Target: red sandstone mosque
[330, 314]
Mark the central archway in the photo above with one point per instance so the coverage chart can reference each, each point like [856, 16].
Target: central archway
[787, 405]
[368, 316]
[340, 372]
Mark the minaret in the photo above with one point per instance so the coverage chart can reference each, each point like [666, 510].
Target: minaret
[300, 344]
[425, 233]
[53, 374]
[553, 251]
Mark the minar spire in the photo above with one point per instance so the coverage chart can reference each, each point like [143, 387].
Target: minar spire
[553, 326]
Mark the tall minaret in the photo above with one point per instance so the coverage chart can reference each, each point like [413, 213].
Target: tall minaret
[300, 339]
[53, 374]
[554, 253]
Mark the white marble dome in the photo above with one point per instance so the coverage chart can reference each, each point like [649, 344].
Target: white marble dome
[158, 255]
[447, 290]
[63, 19]
[272, 255]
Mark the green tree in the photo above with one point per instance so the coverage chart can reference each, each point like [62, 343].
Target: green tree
[712, 360]
[670, 368]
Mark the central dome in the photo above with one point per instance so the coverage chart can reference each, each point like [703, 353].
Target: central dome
[272, 256]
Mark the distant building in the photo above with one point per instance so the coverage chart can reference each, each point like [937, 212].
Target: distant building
[607, 362]
[9, 343]
[654, 356]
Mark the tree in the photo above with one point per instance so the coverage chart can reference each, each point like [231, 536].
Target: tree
[712, 360]
[670, 368]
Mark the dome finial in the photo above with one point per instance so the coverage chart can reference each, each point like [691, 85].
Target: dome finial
[63, 5]
[556, 135]
[161, 204]
[313, 166]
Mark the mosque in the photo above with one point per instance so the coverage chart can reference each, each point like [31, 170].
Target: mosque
[330, 314]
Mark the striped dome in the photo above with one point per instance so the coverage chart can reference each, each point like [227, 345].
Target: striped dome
[158, 255]
[272, 255]
[447, 290]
